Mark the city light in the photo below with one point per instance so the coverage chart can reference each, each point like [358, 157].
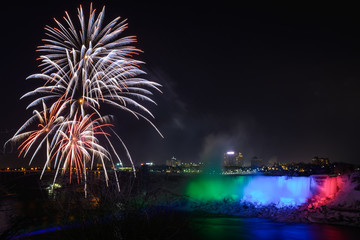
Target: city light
[230, 153]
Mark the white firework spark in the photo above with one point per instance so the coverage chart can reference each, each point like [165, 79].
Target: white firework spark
[93, 65]
[82, 70]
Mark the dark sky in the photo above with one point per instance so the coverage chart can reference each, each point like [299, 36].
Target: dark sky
[269, 80]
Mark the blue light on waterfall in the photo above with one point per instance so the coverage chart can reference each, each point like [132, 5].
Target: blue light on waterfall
[278, 190]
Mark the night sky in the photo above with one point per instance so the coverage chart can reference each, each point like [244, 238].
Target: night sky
[279, 82]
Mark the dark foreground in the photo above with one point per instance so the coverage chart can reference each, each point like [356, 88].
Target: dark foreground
[29, 211]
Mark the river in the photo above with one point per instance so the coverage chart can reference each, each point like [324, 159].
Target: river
[258, 228]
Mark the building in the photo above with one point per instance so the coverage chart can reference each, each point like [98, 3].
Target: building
[320, 161]
[232, 159]
[173, 162]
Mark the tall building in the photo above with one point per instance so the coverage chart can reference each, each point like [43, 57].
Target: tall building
[232, 159]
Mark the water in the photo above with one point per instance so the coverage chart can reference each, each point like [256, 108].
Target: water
[256, 228]
[280, 190]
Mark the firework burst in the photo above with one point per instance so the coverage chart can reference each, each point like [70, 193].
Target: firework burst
[84, 65]
[75, 145]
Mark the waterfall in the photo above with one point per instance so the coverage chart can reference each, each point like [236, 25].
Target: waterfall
[278, 190]
[324, 186]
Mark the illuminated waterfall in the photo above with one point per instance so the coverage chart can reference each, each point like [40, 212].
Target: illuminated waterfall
[324, 186]
[278, 190]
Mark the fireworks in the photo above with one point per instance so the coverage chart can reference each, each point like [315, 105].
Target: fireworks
[84, 68]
